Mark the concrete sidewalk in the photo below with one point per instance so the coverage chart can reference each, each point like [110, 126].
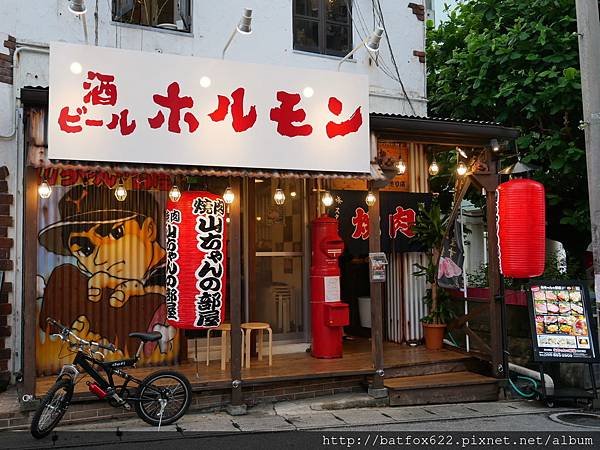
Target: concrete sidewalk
[347, 411]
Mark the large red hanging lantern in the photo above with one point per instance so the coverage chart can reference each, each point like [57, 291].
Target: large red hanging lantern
[196, 260]
[521, 228]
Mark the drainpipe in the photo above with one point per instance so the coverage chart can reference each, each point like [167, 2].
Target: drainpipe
[535, 375]
[18, 51]
[17, 361]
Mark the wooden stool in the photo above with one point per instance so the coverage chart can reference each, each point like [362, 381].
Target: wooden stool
[260, 327]
[225, 329]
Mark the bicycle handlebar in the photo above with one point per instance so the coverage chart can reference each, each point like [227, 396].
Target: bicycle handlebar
[65, 332]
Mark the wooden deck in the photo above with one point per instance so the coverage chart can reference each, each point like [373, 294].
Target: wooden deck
[295, 366]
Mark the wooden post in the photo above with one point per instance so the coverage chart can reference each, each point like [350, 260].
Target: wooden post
[30, 270]
[376, 296]
[494, 281]
[235, 296]
[489, 180]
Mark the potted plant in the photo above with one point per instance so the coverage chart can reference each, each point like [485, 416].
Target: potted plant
[429, 228]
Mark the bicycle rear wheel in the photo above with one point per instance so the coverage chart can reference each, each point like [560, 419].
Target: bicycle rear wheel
[165, 397]
[52, 408]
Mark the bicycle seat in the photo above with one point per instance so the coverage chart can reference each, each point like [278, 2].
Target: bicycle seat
[146, 337]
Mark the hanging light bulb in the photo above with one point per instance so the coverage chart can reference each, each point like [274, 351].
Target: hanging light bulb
[495, 145]
[434, 169]
[279, 197]
[461, 169]
[175, 193]
[293, 194]
[370, 199]
[228, 196]
[461, 152]
[327, 199]
[120, 191]
[401, 166]
[44, 189]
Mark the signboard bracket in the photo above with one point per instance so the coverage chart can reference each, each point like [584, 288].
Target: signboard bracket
[568, 393]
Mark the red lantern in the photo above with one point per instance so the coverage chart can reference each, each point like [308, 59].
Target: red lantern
[196, 261]
[521, 228]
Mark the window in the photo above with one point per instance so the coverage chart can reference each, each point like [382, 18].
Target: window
[323, 26]
[165, 14]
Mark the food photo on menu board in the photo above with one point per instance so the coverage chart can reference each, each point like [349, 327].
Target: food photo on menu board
[561, 322]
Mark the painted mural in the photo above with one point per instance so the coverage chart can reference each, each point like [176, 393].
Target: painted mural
[101, 265]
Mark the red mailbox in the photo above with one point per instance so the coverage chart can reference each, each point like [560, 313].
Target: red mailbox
[329, 315]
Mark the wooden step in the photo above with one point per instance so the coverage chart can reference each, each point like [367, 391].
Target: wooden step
[429, 368]
[451, 387]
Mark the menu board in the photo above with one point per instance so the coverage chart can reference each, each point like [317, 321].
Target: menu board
[561, 322]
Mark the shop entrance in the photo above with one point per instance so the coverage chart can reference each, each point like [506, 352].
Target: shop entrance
[279, 272]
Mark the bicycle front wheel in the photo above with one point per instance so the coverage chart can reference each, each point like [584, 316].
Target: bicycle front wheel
[164, 397]
[52, 408]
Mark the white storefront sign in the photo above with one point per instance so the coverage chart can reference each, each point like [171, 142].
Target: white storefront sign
[130, 106]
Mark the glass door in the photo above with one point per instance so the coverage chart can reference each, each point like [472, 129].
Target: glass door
[279, 260]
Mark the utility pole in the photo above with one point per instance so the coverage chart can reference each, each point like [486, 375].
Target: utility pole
[588, 29]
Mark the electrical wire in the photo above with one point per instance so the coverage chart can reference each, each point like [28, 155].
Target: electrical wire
[387, 38]
[379, 60]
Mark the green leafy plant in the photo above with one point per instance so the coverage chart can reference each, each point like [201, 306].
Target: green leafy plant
[517, 63]
[429, 228]
[441, 313]
[553, 271]
[478, 278]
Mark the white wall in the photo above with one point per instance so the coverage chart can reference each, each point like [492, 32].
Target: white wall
[42, 21]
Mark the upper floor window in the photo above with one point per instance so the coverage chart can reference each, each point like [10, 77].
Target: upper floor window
[323, 26]
[165, 14]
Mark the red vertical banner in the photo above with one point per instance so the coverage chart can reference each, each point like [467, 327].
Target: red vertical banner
[196, 261]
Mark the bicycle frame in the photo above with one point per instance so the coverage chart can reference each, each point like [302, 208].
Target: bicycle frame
[149, 396]
[110, 368]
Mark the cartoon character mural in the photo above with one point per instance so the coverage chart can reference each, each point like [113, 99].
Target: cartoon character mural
[101, 270]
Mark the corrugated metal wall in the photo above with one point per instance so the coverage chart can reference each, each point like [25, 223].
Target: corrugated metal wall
[413, 290]
[404, 292]
[101, 269]
[394, 296]
[100, 261]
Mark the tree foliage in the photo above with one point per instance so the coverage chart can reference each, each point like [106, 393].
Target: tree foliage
[516, 63]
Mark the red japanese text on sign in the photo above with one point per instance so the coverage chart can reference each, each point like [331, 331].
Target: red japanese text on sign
[196, 256]
[402, 221]
[104, 92]
[247, 116]
[360, 220]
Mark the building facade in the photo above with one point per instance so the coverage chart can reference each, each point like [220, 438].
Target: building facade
[306, 34]
[91, 249]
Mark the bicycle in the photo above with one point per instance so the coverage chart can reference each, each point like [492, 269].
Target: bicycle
[161, 398]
